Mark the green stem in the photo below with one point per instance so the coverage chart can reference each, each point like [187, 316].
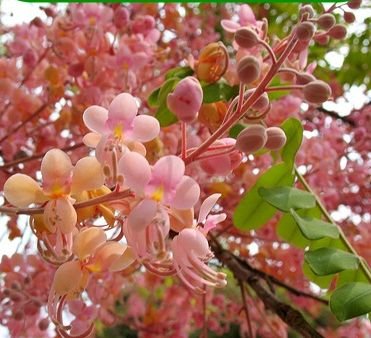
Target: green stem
[343, 238]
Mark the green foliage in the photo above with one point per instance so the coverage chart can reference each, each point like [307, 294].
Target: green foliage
[179, 72]
[285, 198]
[253, 211]
[351, 300]
[294, 134]
[219, 91]
[327, 261]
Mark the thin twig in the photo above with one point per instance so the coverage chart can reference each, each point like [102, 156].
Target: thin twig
[246, 309]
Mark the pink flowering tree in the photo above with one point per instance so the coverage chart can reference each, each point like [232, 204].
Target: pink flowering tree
[180, 175]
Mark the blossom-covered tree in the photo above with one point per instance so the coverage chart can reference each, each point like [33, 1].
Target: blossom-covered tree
[180, 175]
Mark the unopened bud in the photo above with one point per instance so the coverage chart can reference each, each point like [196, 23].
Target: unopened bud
[326, 21]
[43, 324]
[246, 37]
[212, 62]
[317, 92]
[338, 32]
[322, 39]
[307, 9]
[18, 315]
[354, 4]
[276, 138]
[120, 17]
[251, 139]
[261, 104]
[248, 69]
[305, 31]
[212, 114]
[349, 17]
[304, 78]
[186, 100]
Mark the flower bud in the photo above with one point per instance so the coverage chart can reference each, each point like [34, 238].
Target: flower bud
[186, 100]
[121, 17]
[251, 139]
[326, 21]
[307, 9]
[304, 78]
[276, 138]
[354, 4]
[349, 17]
[212, 114]
[246, 37]
[212, 62]
[248, 69]
[18, 315]
[43, 324]
[338, 32]
[322, 39]
[317, 92]
[261, 104]
[305, 31]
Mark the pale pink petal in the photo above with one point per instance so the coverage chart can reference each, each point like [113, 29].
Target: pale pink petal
[61, 214]
[56, 167]
[230, 26]
[87, 241]
[168, 171]
[136, 171]
[246, 15]
[21, 190]
[212, 221]
[123, 261]
[87, 175]
[106, 255]
[68, 278]
[95, 118]
[122, 108]
[206, 206]
[187, 194]
[91, 139]
[145, 128]
[142, 215]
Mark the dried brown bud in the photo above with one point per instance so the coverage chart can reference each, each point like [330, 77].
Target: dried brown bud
[276, 138]
[212, 62]
[317, 92]
[251, 139]
[246, 37]
[354, 4]
[349, 17]
[326, 21]
[338, 32]
[248, 69]
[305, 31]
[307, 9]
[304, 78]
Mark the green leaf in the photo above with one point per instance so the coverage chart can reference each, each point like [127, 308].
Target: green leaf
[289, 231]
[252, 211]
[235, 130]
[313, 228]
[153, 98]
[327, 261]
[218, 92]
[322, 281]
[294, 134]
[165, 116]
[179, 72]
[166, 88]
[351, 300]
[286, 198]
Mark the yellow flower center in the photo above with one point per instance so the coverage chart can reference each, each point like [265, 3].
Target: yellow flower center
[118, 131]
[158, 194]
[57, 191]
[92, 21]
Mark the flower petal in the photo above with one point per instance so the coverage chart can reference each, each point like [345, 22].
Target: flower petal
[187, 194]
[91, 139]
[60, 214]
[206, 206]
[123, 107]
[168, 171]
[230, 26]
[95, 118]
[56, 168]
[68, 279]
[142, 215]
[136, 171]
[21, 190]
[106, 255]
[87, 175]
[145, 128]
[122, 262]
[87, 241]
